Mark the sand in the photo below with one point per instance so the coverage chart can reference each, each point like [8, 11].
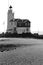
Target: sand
[24, 55]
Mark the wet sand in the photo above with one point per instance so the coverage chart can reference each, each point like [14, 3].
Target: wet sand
[27, 55]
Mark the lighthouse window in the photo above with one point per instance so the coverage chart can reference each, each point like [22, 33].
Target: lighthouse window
[11, 23]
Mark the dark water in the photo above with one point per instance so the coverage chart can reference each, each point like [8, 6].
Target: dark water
[9, 47]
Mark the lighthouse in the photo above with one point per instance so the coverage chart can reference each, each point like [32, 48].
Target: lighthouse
[10, 20]
[17, 25]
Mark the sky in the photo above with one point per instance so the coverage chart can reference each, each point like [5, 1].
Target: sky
[24, 9]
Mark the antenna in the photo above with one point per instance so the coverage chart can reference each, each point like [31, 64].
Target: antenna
[8, 3]
[38, 29]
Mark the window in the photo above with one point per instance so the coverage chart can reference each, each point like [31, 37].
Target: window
[11, 23]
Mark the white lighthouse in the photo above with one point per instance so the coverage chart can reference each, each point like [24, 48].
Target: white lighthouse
[17, 25]
[10, 20]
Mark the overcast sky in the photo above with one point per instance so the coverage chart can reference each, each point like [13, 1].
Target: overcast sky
[24, 9]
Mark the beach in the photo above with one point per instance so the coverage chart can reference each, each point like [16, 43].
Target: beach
[29, 53]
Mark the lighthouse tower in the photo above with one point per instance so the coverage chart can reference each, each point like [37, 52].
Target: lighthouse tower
[10, 20]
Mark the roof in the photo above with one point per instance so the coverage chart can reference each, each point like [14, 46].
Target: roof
[10, 7]
[16, 20]
[22, 20]
[26, 20]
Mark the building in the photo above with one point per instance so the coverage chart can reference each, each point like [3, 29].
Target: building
[17, 25]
